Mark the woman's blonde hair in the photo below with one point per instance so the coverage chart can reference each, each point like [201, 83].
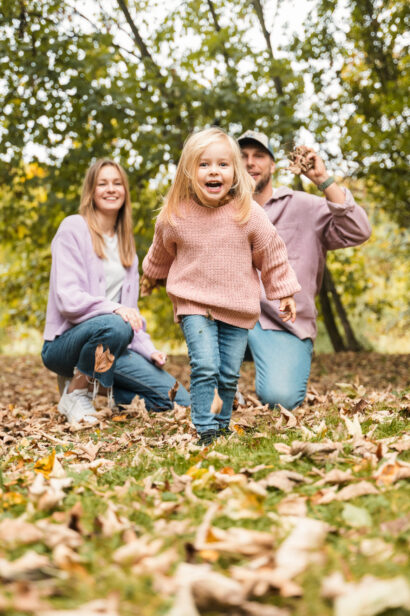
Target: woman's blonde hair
[123, 225]
[185, 185]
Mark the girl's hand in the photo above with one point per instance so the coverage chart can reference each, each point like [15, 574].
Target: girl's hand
[147, 285]
[131, 316]
[158, 358]
[288, 306]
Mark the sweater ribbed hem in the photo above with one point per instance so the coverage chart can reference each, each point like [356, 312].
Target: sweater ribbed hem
[184, 307]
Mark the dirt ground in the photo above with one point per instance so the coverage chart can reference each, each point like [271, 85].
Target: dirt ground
[25, 383]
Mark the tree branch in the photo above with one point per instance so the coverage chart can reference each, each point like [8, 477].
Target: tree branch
[259, 12]
[228, 60]
[138, 39]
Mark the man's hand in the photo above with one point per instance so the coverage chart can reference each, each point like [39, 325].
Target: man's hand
[288, 307]
[131, 316]
[158, 358]
[317, 173]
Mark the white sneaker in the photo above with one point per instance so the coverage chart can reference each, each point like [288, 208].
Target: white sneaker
[77, 406]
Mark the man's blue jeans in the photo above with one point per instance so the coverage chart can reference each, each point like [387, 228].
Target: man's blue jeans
[282, 366]
[131, 374]
[216, 350]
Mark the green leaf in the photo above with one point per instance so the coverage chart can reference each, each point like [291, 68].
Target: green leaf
[356, 516]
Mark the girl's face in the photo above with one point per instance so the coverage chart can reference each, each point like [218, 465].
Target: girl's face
[215, 172]
[109, 193]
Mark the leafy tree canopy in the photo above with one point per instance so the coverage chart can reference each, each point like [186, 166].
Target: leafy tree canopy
[355, 52]
[131, 80]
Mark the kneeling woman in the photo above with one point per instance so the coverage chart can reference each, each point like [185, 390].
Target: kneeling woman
[93, 301]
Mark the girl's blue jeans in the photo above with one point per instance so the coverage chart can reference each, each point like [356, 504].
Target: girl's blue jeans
[216, 351]
[282, 366]
[131, 374]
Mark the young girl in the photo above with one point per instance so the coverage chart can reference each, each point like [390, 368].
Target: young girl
[210, 239]
[93, 301]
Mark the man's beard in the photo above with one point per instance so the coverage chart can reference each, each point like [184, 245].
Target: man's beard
[263, 182]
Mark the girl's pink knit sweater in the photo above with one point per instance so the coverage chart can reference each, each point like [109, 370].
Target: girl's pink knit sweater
[210, 263]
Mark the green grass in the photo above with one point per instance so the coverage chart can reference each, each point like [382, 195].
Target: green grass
[152, 499]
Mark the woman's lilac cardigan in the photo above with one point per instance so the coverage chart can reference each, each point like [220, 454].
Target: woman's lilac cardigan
[77, 285]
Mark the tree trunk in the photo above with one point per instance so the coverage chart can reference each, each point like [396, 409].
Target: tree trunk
[329, 290]
[328, 316]
[352, 343]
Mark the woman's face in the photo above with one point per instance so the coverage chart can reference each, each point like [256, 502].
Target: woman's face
[109, 193]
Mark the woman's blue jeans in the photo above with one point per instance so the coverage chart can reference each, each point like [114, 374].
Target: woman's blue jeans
[282, 366]
[130, 375]
[216, 351]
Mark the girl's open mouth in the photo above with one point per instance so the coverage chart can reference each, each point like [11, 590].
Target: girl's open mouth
[213, 186]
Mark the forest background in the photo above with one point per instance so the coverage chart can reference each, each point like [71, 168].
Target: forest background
[130, 80]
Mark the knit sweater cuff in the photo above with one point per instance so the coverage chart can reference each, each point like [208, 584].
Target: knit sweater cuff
[157, 271]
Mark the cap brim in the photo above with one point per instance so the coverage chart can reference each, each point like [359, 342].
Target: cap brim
[249, 140]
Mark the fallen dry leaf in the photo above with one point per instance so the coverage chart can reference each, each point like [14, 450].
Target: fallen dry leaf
[111, 523]
[251, 608]
[14, 532]
[208, 587]
[103, 359]
[369, 597]
[353, 426]
[56, 534]
[402, 445]
[293, 505]
[184, 604]
[136, 550]
[22, 597]
[376, 549]
[335, 476]
[294, 554]
[391, 471]
[99, 607]
[28, 566]
[312, 449]
[237, 540]
[283, 480]
[290, 419]
[217, 403]
[257, 580]
[173, 391]
[358, 489]
[299, 163]
[47, 494]
[45, 465]
[397, 526]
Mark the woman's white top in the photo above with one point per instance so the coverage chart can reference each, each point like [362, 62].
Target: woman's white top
[113, 269]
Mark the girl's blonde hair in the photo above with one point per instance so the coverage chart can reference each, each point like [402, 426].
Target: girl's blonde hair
[185, 185]
[123, 225]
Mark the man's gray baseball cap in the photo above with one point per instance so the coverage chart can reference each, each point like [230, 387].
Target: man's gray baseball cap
[260, 138]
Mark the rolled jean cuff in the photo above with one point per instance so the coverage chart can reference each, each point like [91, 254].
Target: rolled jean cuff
[106, 379]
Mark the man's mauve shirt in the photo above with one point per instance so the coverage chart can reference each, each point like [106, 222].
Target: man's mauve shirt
[310, 226]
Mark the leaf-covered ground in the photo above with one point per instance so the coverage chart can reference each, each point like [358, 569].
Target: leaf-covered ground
[303, 513]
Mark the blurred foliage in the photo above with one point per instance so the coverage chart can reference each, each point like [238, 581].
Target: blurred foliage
[356, 54]
[131, 80]
[129, 85]
[373, 280]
